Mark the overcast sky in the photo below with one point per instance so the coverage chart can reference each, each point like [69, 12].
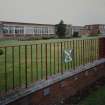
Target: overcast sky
[76, 12]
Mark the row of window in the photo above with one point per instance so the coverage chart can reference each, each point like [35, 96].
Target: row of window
[22, 30]
[96, 26]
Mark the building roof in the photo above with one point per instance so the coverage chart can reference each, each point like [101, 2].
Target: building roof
[23, 23]
[94, 24]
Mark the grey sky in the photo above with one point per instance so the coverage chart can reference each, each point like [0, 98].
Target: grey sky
[76, 12]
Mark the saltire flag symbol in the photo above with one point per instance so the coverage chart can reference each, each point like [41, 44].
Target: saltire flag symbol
[68, 55]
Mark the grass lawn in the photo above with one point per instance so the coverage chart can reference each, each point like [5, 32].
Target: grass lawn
[95, 98]
[29, 64]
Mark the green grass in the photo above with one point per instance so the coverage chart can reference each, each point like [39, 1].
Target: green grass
[95, 98]
[37, 70]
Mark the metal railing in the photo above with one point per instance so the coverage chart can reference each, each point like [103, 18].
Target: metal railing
[22, 65]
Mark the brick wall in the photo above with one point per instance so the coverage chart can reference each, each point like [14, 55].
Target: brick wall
[102, 47]
[56, 92]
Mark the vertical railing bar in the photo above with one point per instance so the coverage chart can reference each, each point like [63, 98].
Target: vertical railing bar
[86, 51]
[90, 50]
[26, 82]
[74, 54]
[64, 63]
[50, 60]
[46, 60]
[93, 49]
[84, 55]
[68, 48]
[71, 45]
[41, 62]
[13, 66]
[37, 62]
[79, 45]
[96, 49]
[19, 66]
[5, 69]
[58, 55]
[84, 47]
[83, 51]
[31, 65]
[61, 60]
[54, 59]
[78, 52]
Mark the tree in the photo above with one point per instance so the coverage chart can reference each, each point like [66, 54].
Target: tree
[98, 32]
[75, 34]
[61, 29]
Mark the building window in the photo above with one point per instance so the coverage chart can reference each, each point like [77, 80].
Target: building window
[46, 30]
[19, 30]
[11, 30]
[1, 29]
[5, 30]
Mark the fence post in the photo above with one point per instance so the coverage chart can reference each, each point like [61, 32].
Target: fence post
[102, 47]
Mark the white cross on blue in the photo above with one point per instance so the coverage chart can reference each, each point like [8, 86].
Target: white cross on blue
[68, 55]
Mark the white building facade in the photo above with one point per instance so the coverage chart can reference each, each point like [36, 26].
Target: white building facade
[77, 29]
[15, 29]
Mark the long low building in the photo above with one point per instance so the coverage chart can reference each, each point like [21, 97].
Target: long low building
[96, 29]
[18, 29]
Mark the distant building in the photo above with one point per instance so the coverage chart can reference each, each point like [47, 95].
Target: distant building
[69, 30]
[77, 29]
[17, 29]
[96, 29]
[84, 32]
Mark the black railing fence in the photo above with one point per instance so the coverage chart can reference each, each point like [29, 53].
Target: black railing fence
[23, 65]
